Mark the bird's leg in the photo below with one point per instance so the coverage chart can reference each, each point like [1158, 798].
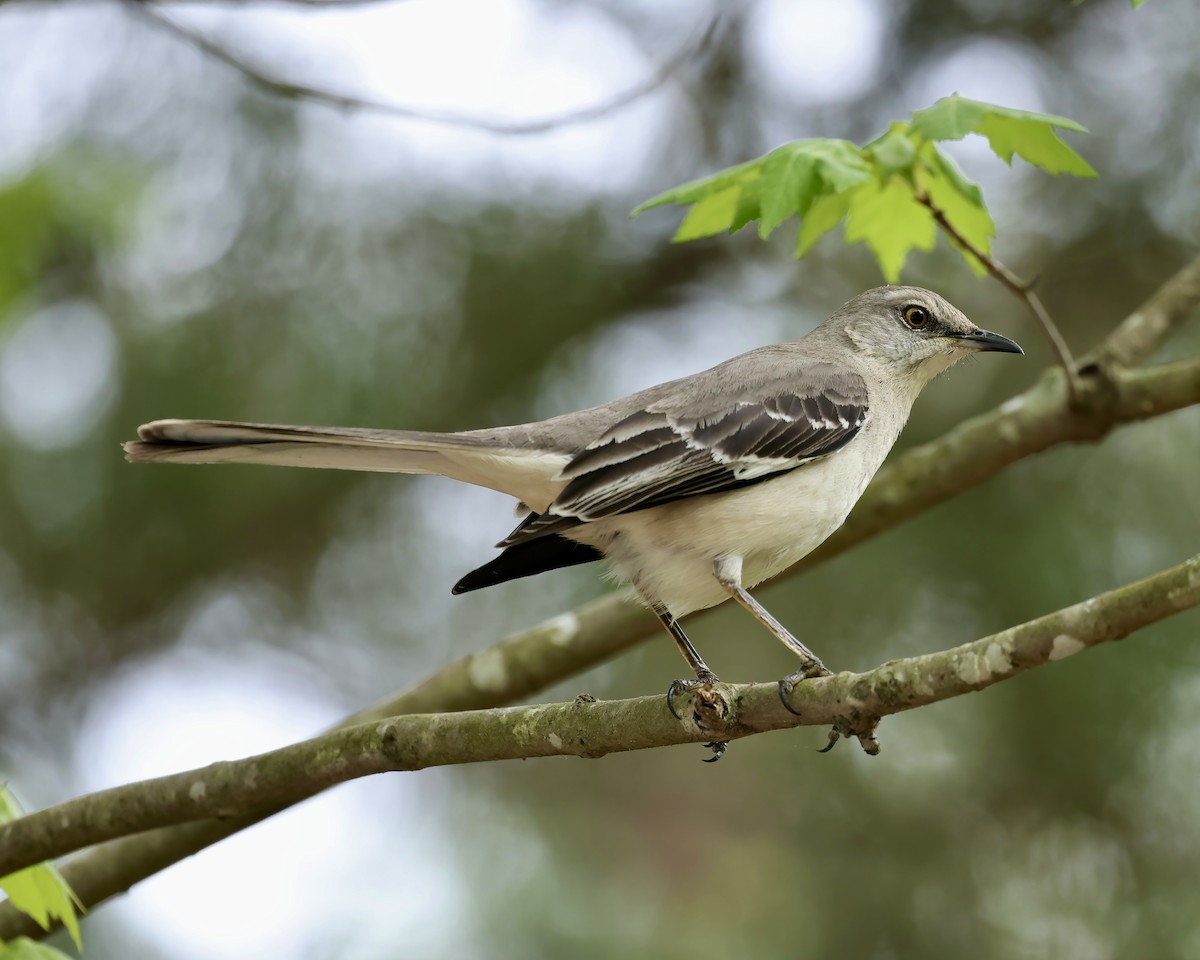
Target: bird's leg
[690, 653]
[696, 662]
[728, 571]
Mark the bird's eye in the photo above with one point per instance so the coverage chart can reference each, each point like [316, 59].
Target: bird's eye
[916, 317]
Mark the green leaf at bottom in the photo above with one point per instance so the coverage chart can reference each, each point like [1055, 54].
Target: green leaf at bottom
[891, 222]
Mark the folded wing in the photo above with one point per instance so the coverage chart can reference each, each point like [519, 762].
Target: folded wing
[667, 452]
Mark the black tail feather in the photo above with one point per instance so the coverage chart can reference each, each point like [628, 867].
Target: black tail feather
[526, 559]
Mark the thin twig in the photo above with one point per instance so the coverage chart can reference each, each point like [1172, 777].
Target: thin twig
[352, 102]
[1016, 285]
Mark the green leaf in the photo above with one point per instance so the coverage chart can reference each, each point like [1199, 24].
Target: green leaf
[710, 215]
[1036, 143]
[841, 163]
[889, 219]
[748, 208]
[42, 893]
[895, 151]
[795, 183]
[1027, 134]
[39, 891]
[942, 166]
[824, 214]
[953, 117]
[695, 190]
[25, 949]
[961, 201]
[785, 181]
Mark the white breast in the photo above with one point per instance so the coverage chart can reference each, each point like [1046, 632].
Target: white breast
[668, 551]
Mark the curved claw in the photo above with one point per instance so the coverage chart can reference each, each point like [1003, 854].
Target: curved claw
[786, 685]
[718, 747]
[678, 686]
[864, 731]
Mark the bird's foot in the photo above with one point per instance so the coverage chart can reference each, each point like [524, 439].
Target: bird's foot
[810, 671]
[718, 747]
[862, 727]
[679, 686]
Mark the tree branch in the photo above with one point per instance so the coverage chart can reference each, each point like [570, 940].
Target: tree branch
[912, 482]
[590, 728]
[1144, 330]
[307, 93]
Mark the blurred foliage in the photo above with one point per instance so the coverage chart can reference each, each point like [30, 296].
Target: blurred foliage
[54, 222]
[187, 247]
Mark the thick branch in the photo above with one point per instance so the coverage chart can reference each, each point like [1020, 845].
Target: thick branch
[587, 727]
[307, 93]
[1144, 330]
[526, 662]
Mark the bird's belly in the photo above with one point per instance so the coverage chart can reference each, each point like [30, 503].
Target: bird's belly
[668, 551]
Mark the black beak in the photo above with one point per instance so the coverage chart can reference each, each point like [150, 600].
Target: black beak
[985, 340]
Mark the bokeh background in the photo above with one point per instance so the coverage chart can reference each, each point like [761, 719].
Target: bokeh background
[175, 242]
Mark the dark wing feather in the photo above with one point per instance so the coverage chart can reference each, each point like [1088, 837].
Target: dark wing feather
[656, 456]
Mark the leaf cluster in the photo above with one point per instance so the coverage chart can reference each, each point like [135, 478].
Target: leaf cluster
[883, 190]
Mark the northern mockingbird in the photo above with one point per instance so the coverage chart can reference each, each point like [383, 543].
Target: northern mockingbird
[695, 489]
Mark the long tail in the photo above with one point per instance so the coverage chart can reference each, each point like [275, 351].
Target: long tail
[484, 459]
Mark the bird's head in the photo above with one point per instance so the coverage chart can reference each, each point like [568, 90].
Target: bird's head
[914, 331]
